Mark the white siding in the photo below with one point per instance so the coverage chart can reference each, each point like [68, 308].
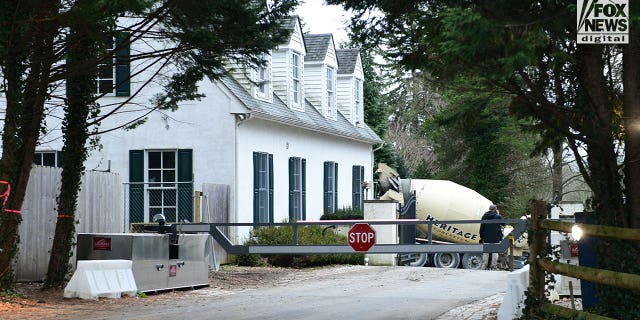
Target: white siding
[297, 42]
[284, 142]
[281, 74]
[331, 59]
[345, 96]
[242, 74]
[357, 71]
[314, 85]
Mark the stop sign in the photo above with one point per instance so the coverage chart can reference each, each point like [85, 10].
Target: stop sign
[361, 237]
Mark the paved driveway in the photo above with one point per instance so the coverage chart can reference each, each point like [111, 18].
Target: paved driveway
[351, 292]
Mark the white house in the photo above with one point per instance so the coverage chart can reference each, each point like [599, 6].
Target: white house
[290, 143]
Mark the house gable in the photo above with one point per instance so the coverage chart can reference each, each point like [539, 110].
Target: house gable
[350, 86]
[287, 68]
[321, 67]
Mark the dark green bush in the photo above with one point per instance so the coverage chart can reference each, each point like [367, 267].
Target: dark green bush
[344, 214]
[317, 235]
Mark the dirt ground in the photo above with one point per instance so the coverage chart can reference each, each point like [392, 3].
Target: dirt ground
[31, 302]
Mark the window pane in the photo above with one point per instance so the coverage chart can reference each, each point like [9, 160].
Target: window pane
[168, 159]
[106, 86]
[155, 198]
[49, 159]
[170, 214]
[169, 197]
[168, 176]
[106, 72]
[155, 176]
[37, 159]
[154, 160]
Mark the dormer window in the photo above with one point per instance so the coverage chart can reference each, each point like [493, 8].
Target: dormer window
[357, 98]
[296, 78]
[331, 91]
[262, 79]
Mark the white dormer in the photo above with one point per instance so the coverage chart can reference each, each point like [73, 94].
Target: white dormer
[350, 86]
[256, 79]
[287, 65]
[321, 74]
[262, 84]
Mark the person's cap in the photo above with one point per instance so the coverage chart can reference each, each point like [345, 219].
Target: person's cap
[493, 207]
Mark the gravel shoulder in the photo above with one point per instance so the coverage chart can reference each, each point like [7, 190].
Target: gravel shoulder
[31, 302]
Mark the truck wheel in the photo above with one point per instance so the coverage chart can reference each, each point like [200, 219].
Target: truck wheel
[421, 260]
[472, 261]
[446, 260]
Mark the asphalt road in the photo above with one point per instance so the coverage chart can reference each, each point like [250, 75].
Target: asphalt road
[353, 292]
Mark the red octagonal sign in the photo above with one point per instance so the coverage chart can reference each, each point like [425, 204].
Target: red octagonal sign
[361, 237]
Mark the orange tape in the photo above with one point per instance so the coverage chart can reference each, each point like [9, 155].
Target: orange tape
[16, 212]
[64, 216]
[6, 193]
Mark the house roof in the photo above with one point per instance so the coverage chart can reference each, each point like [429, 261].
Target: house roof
[347, 59]
[317, 46]
[309, 119]
[290, 24]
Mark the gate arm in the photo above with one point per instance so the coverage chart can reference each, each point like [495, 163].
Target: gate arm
[213, 230]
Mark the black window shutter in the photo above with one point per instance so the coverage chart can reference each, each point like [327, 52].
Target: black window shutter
[123, 64]
[354, 189]
[335, 190]
[327, 209]
[304, 188]
[361, 204]
[136, 186]
[271, 188]
[59, 158]
[185, 190]
[291, 189]
[256, 184]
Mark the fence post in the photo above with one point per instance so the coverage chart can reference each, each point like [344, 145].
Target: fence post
[537, 236]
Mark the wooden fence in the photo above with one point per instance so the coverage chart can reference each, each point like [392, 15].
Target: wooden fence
[542, 265]
[99, 210]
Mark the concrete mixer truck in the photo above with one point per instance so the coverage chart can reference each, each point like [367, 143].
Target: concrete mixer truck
[441, 200]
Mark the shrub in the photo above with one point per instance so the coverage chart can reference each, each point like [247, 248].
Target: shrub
[316, 235]
[347, 213]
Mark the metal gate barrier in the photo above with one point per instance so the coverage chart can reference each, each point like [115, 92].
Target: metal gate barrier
[519, 227]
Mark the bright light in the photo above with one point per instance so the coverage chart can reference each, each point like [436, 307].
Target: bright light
[576, 232]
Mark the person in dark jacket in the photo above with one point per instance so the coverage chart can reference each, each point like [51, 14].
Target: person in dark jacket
[491, 233]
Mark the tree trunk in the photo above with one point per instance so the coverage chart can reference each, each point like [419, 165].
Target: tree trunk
[81, 86]
[600, 129]
[25, 105]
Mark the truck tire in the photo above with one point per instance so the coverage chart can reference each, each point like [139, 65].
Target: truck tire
[472, 261]
[421, 260]
[446, 260]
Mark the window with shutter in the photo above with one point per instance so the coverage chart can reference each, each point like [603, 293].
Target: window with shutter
[330, 186]
[161, 182]
[262, 187]
[357, 200]
[114, 76]
[296, 187]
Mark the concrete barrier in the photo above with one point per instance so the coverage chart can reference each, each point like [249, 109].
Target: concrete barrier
[95, 279]
[513, 301]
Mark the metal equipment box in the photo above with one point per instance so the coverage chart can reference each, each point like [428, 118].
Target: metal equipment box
[160, 261]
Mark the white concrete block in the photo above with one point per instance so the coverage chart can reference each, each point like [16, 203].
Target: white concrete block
[95, 279]
[513, 301]
[385, 234]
